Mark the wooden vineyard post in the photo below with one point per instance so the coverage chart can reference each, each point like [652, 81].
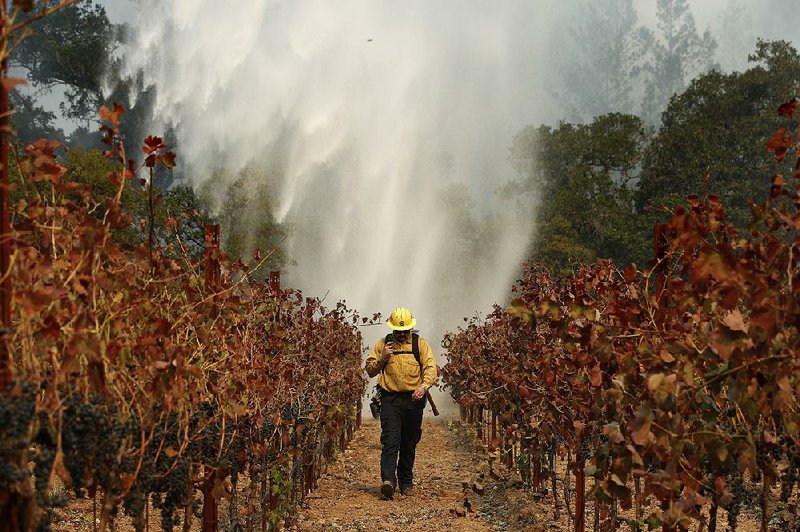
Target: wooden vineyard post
[212, 257]
[273, 496]
[9, 516]
[660, 247]
[487, 417]
[264, 500]
[567, 471]
[308, 480]
[551, 456]
[514, 455]
[660, 236]
[637, 487]
[580, 493]
[535, 468]
[665, 507]
[5, 217]
[659, 252]
[597, 510]
[275, 281]
[210, 510]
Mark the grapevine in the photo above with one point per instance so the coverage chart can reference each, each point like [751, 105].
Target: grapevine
[132, 378]
[681, 376]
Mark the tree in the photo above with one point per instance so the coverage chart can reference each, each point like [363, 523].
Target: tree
[677, 53]
[179, 218]
[599, 76]
[180, 221]
[584, 176]
[247, 223]
[31, 121]
[91, 167]
[736, 35]
[718, 129]
[72, 49]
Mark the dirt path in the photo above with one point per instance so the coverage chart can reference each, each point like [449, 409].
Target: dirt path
[449, 463]
[348, 498]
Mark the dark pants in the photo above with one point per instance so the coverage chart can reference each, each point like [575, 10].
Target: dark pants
[401, 430]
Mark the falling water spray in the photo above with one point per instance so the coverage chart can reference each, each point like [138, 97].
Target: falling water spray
[380, 127]
[383, 128]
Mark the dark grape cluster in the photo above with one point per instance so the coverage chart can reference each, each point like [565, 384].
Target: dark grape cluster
[743, 496]
[90, 438]
[174, 492]
[17, 410]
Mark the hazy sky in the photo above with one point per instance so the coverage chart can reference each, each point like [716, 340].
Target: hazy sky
[704, 10]
[120, 10]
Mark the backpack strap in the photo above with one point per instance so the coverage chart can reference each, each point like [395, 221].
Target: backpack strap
[415, 350]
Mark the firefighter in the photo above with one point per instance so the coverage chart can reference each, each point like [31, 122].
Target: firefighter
[407, 370]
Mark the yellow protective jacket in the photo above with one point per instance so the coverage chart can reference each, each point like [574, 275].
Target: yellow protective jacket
[401, 372]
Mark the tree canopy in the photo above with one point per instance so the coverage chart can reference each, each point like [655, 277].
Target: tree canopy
[72, 48]
[601, 186]
[584, 175]
[713, 136]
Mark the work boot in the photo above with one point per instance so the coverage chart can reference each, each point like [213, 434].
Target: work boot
[407, 490]
[387, 490]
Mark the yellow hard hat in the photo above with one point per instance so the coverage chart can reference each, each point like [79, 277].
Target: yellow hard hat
[401, 320]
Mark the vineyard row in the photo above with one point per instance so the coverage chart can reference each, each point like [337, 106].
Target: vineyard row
[139, 374]
[676, 387]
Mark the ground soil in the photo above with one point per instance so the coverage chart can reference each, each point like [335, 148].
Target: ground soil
[348, 498]
[457, 488]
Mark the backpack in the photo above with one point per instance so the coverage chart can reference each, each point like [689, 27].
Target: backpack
[375, 402]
